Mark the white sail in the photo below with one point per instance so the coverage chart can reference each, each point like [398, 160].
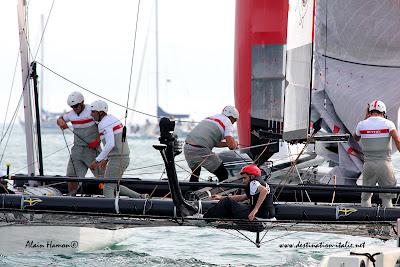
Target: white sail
[357, 60]
[298, 69]
[28, 92]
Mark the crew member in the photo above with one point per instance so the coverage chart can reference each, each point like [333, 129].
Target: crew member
[257, 191]
[214, 131]
[114, 157]
[375, 133]
[86, 139]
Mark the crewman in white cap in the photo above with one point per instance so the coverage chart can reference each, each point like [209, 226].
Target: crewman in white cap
[375, 133]
[214, 131]
[86, 139]
[114, 157]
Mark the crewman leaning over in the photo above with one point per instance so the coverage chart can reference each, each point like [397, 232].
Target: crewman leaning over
[214, 131]
[114, 157]
[86, 139]
[375, 133]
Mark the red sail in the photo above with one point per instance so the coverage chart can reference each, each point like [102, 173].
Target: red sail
[259, 23]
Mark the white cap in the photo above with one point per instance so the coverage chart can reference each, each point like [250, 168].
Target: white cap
[99, 105]
[377, 105]
[75, 98]
[231, 111]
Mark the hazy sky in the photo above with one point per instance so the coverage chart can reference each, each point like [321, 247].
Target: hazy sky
[90, 42]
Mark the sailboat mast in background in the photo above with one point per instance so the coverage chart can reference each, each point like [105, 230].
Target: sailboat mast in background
[157, 68]
[41, 68]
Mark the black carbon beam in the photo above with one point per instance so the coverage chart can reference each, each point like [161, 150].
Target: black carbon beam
[167, 150]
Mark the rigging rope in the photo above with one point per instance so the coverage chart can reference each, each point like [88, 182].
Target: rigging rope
[243, 237]
[132, 58]
[155, 188]
[9, 96]
[262, 152]
[126, 109]
[326, 48]
[47, 156]
[70, 157]
[8, 128]
[298, 173]
[272, 239]
[362, 64]
[44, 30]
[138, 83]
[292, 166]
[51, 154]
[102, 97]
[27, 78]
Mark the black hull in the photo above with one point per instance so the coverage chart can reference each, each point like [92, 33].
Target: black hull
[98, 205]
[160, 188]
[165, 208]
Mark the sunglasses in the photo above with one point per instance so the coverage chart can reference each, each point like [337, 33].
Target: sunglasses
[76, 105]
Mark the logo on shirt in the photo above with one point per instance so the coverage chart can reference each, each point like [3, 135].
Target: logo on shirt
[374, 131]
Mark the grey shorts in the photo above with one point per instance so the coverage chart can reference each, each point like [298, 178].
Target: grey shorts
[381, 172]
[201, 156]
[116, 167]
[79, 162]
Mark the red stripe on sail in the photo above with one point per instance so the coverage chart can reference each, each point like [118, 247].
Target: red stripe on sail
[82, 121]
[218, 121]
[379, 131]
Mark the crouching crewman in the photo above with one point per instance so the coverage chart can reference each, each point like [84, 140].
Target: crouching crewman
[257, 191]
[114, 157]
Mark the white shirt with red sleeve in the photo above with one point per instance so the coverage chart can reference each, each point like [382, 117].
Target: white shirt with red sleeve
[110, 130]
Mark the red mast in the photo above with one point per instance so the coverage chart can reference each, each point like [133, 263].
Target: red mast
[258, 22]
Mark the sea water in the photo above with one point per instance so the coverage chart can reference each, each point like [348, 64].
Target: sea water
[176, 245]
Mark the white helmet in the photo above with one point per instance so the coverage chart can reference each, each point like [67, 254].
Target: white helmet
[75, 98]
[377, 105]
[99, 105]
[231, 111]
